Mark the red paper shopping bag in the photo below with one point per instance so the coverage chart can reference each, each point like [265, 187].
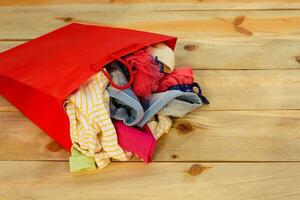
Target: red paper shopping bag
[39, 75]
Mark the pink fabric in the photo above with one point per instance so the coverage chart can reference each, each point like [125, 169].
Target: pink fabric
[182, 75]
[147, 74]
[141, 143]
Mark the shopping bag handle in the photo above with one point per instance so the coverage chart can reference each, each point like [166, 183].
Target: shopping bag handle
[129, 68]
[116, 56]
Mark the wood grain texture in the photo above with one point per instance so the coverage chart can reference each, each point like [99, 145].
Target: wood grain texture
[246, 56]
[5, 105]
[200, 136]
[243, 89]
[168, 4]
[250, 89]
[30, 22]
[50, 180]
[231, 53]
[20, 139]
[233, 136]
[239, 53]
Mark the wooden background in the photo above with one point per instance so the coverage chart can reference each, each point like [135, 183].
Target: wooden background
[244, 145]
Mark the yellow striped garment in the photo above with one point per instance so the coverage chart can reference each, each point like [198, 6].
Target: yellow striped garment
[161, 126]
[91, 129]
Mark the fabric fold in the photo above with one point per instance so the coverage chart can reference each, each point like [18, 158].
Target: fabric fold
[124, 104]
[80, 162]
[160, 126]
[91, 129]
[139, 142]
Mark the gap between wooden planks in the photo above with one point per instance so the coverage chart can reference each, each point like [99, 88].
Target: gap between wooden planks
[227, 181]
[22, 23]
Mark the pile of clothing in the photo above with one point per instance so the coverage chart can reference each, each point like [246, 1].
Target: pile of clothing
[109, 123]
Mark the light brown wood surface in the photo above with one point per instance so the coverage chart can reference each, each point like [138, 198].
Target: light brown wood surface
[169, 4]
[211, 181]
[17, 23]
[200, 136]
[244, 145]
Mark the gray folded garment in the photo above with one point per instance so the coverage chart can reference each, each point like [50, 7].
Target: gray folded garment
[179, 108]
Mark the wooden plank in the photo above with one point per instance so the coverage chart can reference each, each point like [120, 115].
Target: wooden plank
[50, 2]
[21, 23]
[245, 89]
[239, 53]
[250, 89]
[200, 136]
[5, 105]
[233, 136]
[227, 181]
[22, 140]
[231, 53]
[168, 4]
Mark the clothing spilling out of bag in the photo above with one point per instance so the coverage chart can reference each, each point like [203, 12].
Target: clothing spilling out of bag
[107, 122]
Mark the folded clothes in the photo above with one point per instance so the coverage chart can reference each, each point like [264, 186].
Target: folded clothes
[165, 55]
[139, 142]
[124, 104]
[146, 73]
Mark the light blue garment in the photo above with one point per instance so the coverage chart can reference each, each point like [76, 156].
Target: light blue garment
[124, 104]
[159, 100]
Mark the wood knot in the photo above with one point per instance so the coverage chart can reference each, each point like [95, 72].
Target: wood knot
[53, 147]
[185, 127]
[190, 47]
[297, 58]
[243, 31]
[174, 156]
[197, 169]
[238, 20]
[65, 19]
[68, 19]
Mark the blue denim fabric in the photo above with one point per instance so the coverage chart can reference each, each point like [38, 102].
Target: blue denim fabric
[124, 104]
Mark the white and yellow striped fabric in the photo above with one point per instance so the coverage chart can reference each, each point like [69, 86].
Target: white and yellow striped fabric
[161, 126]
[91, 129]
